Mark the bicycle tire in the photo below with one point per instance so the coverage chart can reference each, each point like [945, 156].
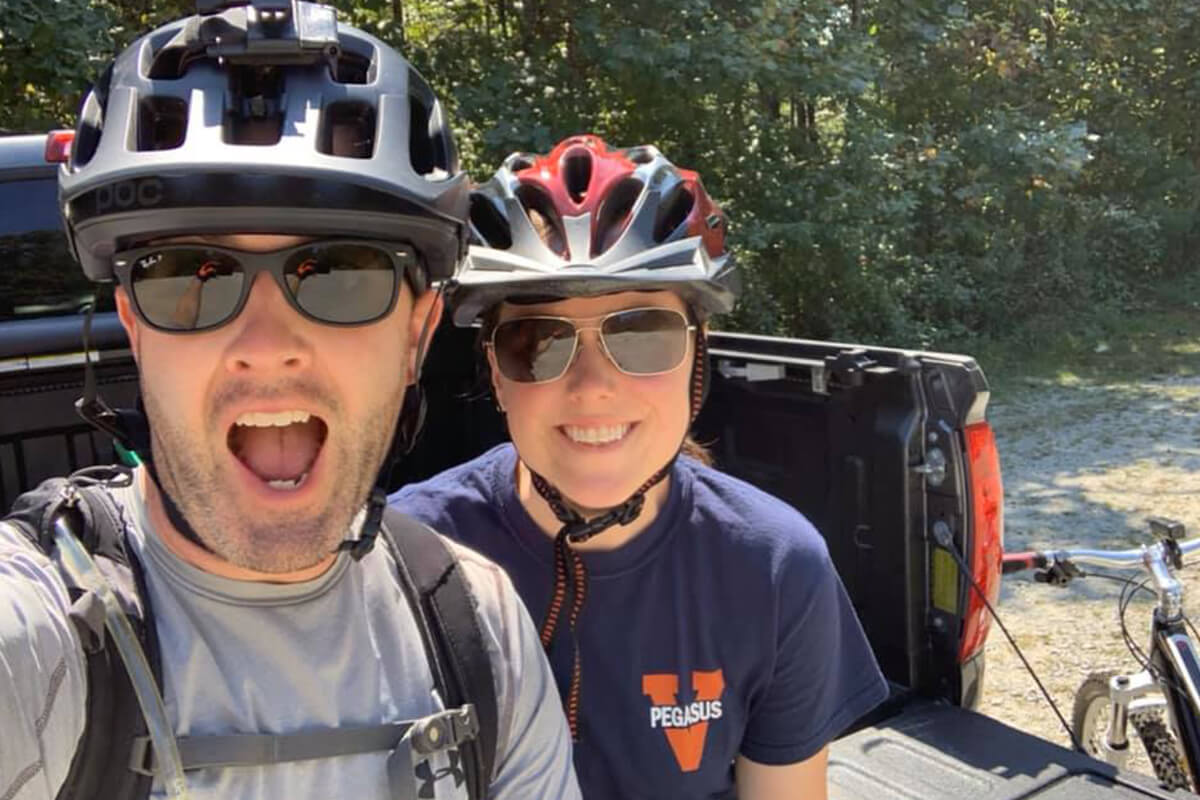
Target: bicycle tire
[1090, 699]
[1162, 749]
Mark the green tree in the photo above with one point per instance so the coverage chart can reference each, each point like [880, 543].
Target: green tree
[47, 50]
[912, 171]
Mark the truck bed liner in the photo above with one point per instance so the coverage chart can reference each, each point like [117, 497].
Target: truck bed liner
[932, 751]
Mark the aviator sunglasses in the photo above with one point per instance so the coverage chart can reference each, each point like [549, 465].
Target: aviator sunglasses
[638, 341]
[198, 287]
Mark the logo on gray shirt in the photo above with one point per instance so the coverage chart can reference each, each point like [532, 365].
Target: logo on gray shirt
[428, 777]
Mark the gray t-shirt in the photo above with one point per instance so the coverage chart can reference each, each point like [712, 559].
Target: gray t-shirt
[248, 657]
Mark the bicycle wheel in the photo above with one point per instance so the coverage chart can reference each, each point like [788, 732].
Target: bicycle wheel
[1089, 718]
[1162, 749]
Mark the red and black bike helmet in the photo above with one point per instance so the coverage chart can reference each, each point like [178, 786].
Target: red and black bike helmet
[587, 219]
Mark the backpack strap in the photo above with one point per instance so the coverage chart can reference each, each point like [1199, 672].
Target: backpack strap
[446, 613]
[113, 718]
[113, 758]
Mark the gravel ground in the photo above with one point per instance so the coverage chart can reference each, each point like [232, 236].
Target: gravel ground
[1084, 466]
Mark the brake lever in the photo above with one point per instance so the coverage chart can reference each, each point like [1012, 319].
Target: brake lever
[1058, 574]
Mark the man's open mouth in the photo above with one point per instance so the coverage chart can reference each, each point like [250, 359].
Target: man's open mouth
[279, 447]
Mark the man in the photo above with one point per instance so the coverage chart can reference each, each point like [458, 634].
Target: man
[273, 194]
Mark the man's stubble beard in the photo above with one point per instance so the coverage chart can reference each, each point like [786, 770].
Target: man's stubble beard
[192, 477]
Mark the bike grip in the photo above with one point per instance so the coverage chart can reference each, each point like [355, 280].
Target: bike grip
[1019, 562]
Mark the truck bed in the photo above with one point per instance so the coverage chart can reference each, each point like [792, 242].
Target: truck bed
[935, 751]
[774, 422]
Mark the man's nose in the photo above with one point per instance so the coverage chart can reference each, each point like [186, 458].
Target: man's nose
[269, 332]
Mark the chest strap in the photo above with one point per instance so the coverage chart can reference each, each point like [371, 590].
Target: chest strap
[407, 741]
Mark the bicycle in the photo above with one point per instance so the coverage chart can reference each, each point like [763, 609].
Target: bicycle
[1107, 703]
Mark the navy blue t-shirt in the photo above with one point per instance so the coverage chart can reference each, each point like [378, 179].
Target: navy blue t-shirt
[721, 629]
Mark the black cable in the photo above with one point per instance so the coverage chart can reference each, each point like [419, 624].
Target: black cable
[1187, 621]
[1133, 647]
[1013, 643]
[1130, 586]
[1116, 579]
[1129, 589]
[1143, 659]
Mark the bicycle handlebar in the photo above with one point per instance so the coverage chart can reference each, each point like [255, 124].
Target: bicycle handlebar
[1134, 557]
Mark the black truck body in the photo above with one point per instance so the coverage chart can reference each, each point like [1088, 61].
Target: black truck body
[845, 433]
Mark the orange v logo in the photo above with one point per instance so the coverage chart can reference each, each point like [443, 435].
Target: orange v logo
[685, 726]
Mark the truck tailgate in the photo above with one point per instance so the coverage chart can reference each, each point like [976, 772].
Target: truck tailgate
[932, 751]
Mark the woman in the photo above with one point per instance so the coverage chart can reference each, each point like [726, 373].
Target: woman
[702, 642]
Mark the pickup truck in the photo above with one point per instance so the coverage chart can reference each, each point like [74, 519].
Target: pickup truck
[887, 451]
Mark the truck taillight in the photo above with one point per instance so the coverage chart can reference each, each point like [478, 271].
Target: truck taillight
[987, 533]
[58, 146]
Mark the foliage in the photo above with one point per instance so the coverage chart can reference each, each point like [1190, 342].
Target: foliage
[917, 171]
[44, 48]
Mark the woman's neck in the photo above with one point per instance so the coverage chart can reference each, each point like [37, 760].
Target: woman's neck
[610, 538]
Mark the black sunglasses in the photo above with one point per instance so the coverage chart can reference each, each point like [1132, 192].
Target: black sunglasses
[197, 287]
[638, 341]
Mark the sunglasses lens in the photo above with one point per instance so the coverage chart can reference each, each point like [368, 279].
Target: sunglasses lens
[646, 341]
[533, 349]
[346, 283]
[186, 288]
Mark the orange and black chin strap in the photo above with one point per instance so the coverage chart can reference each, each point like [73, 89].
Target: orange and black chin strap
[569, 566]
[567, 562]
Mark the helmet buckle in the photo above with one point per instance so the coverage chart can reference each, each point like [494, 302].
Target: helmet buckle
[630, 511]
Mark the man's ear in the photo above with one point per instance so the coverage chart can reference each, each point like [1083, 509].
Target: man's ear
[128, 319]
[426, 314]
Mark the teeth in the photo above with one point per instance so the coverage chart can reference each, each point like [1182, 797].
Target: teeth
[602, 435]
[267, 419]
[288, 486]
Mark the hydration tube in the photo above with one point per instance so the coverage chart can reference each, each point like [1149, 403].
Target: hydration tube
[83, 571]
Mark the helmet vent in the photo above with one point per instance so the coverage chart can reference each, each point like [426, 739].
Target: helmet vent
[162, 123]
[91, 122]
[577, 174]
[640, 155]
[488, 224]
[168, 64]
[518, 162]
[348, 130]
[254, 117]
[351, 68]
[168, 58]
[614, 214]
[673, 213]
[423, 150]
[544, 217]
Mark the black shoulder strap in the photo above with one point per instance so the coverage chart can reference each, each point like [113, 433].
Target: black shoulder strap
[113, 718]
[447, 615]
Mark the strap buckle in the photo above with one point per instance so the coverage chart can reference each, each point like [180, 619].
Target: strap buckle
[141, 756]
[445, 730]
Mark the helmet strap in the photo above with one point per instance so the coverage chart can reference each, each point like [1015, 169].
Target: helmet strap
[700, 374]
[408, 429]
[569, 567]
[576, 529]
[129, 427]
